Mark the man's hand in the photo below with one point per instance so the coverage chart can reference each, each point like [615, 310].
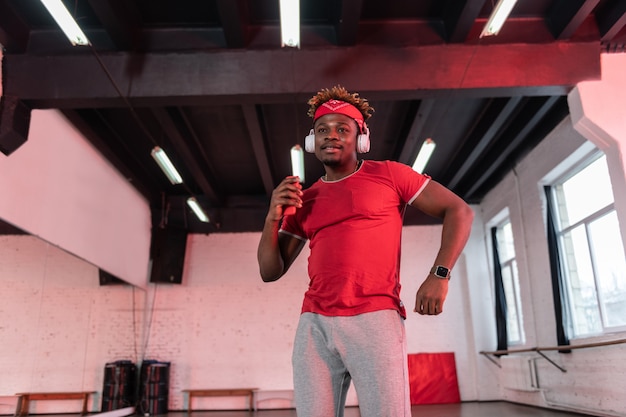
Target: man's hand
[431, 295]
[287, 193]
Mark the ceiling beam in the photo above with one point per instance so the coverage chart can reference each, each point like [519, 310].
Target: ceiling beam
[258, 144]
[120, 20]
[193, 136]
[414, 138]
[347, 23]
[485, 141]
[187, 154]
[513, 144]
[223, 77]
[235, 22]
[14, 32]
[459, 17]
[566, 16]
[611, 19]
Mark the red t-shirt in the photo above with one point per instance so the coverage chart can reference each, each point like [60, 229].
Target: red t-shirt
[354, 226]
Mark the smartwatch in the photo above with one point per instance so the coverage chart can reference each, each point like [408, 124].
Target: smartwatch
[440, 272]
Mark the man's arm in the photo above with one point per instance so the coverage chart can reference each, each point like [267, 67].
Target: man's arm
[438, 201]
[277, 251]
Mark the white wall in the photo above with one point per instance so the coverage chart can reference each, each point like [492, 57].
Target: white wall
[597, 109]
[221, 328]
[57, 326]
[57, 187]
[595, 377]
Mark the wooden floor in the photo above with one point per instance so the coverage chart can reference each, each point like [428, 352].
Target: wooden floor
[468, 409]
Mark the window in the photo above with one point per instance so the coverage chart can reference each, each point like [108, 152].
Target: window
[592, 251]
[510, 282]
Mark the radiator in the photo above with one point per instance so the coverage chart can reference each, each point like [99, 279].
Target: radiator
[519, 372]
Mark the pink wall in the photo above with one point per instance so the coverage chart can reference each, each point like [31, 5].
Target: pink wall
[597, 109]
[57, 187]
[221, 328]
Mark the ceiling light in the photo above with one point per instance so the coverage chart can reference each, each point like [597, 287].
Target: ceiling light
[166, 165]
[297, 162]
[498, 17]
[290, 23]
[424, 155]
[195, 207]
[67, 23]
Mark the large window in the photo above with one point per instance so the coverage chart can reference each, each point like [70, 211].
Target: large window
[592, 251]
[510, 282]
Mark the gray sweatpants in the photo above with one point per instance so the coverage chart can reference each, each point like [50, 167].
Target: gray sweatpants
[368, 349]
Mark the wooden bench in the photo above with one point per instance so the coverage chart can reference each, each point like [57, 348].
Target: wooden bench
[24, 399]
[229, 392]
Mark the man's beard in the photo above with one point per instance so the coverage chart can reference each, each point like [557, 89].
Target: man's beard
[331, 162]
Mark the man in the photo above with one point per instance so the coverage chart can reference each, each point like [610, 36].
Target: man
[351, 327]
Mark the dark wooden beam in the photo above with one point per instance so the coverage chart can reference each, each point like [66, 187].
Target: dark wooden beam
[13, 31]
[486, 139]
[566, 16]
[193, 136]
[14, 123]
[121, 21]
[611, 19]
[281, 75]
[459, 17]
[187, 155]
[258, 144]
[235, 22]
[414, 139]
[347, 23]
[513, 144]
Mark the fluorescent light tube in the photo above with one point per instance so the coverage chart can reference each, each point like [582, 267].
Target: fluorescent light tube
[67, 23]
[297, 162]
[290, 23]
[195, 207]
[426, 151]
[498, 17]
[166, 165]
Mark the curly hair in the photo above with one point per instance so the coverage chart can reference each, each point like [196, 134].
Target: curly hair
[339, 93]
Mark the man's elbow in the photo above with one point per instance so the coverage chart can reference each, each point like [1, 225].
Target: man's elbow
[269, 277]
[467, 213]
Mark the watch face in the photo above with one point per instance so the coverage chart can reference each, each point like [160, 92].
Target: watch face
[441, 271]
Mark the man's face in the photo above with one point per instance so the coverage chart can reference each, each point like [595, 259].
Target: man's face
[335, 139]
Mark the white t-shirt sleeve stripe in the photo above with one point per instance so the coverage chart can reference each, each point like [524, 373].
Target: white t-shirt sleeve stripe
[419, 191]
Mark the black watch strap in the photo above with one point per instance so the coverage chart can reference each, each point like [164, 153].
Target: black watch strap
[440, 272]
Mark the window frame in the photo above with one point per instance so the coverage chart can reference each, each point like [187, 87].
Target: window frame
[561, 233]
[497, 221]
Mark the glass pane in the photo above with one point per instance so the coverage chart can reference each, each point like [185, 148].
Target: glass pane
[579, 272]
[518, 302]
[608, 252]
[586, 192]
[512, 322]
[506, 248]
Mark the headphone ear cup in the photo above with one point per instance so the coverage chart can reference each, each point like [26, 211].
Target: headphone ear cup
[309, 142]
[363, 141]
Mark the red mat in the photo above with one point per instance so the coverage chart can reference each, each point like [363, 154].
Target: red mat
[432, 378]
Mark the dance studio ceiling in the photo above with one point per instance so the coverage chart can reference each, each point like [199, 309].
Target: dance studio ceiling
[209, 82]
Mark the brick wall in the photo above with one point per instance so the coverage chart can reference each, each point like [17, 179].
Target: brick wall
[221, 328]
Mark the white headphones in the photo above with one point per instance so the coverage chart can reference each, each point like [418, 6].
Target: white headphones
[362, 141]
